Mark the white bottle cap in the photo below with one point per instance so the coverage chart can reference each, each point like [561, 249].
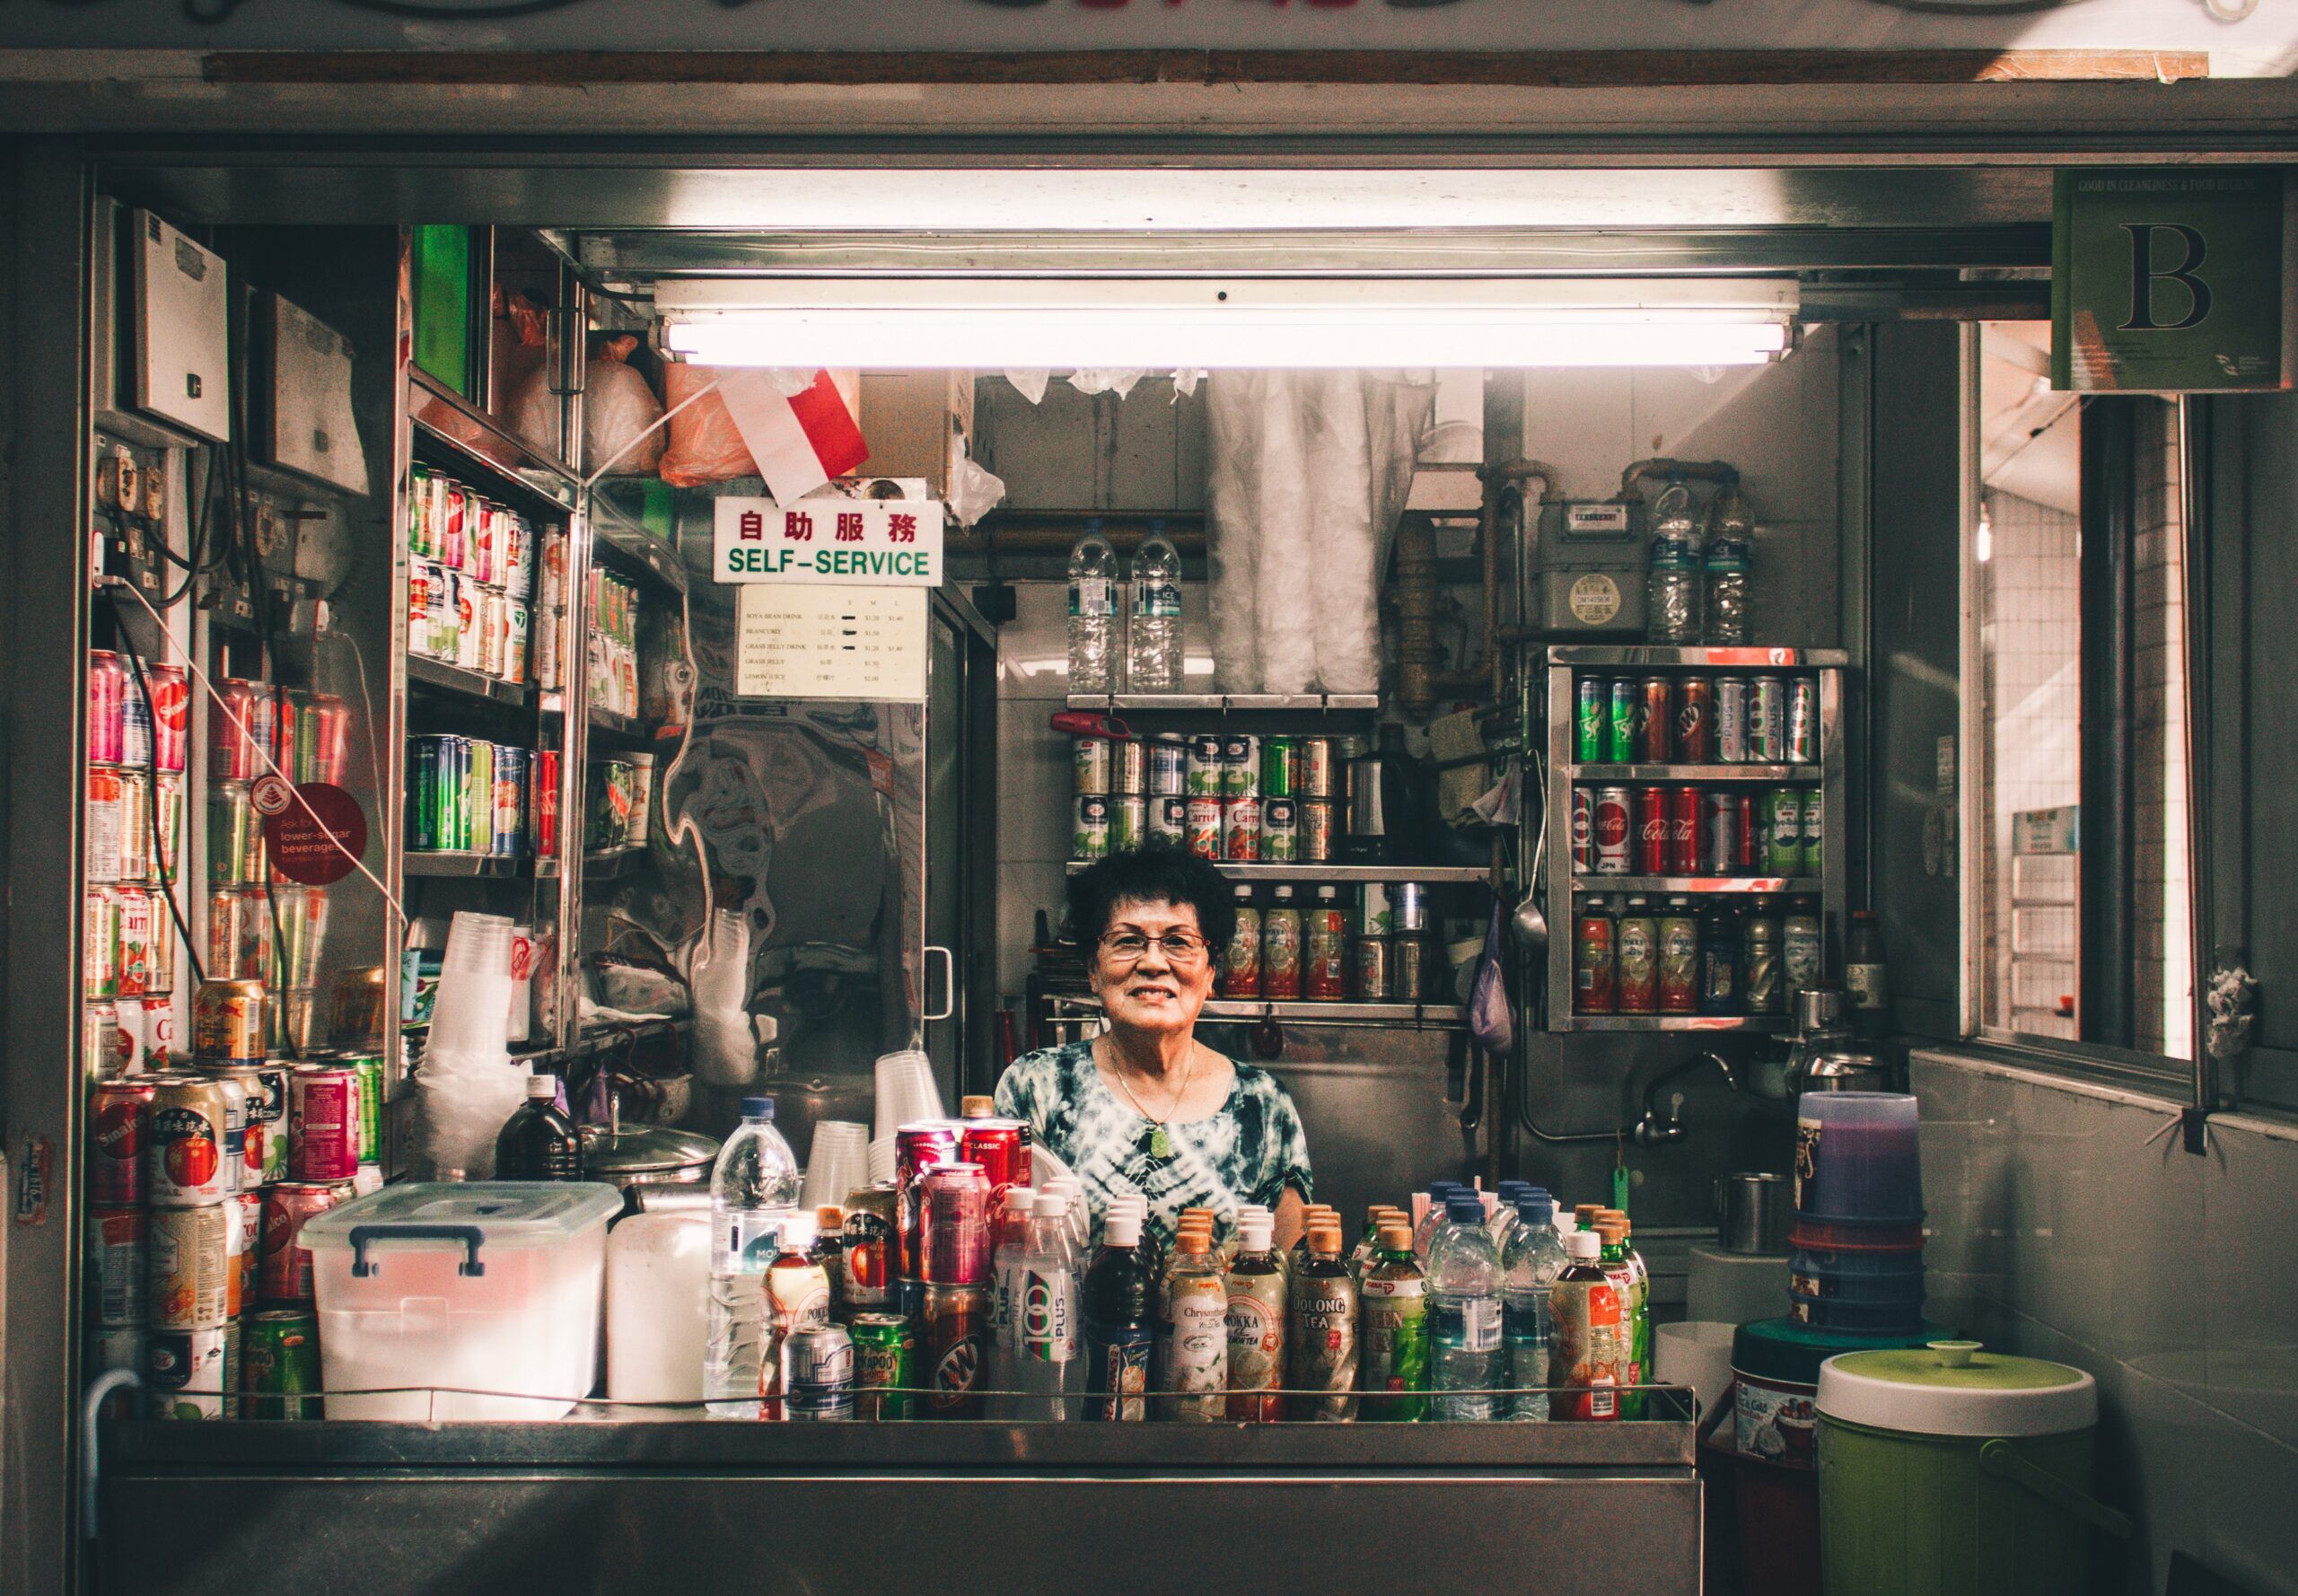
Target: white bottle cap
[1258, 1229]
[1123, 1229]
[1019, 1199]
[542, 1086]
[1584, 1246]
[1051, 1205]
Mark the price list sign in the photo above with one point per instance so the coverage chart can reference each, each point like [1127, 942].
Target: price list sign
[812, 640]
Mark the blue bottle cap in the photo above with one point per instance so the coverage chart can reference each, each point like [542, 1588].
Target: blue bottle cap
[758, 1108]
[1464, 1207]
[1535, 1207]
[1510, 1191]
[1438, 1191]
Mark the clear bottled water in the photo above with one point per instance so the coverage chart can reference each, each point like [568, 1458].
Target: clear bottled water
[1093, 613]
[1153, 636]
[1673, 597]
[753, 1194]
[1432, 1221]
[1529, 1266]
[1053, 1373]
[1464, 1341]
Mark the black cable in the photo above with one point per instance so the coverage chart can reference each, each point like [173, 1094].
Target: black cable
[152, 768]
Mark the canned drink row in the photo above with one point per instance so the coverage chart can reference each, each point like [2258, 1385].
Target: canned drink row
[130, 726]
[1234, 830]
[192, 1137]
[274, 935]
[461, 531]
[459, 621]
[465, 795]
[132, 826]
[1680, 831]
[1229, 768]
[1696, 720]
[263, 1367]
[255, 726]
[1304, 943]
[621, 801]
[127, 1036]
[128, 944]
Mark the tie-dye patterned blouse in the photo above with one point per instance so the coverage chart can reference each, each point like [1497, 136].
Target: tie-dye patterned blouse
[1249, 1152]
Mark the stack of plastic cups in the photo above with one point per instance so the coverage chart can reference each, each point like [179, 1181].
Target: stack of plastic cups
[906, 1095]
[467, 1086]
[838, 1163]
[1858, 1232]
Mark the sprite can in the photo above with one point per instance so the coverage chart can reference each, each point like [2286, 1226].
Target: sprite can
[1590, 696]
[280, 1363]
[885, 1366]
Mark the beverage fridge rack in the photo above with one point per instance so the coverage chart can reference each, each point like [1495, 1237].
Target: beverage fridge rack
[1563, 889]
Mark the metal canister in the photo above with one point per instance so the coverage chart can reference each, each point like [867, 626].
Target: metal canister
[1280, 766]
[1412, 968]
[284, 1268]
[280, 1364]
[1767, 721]
[191, 1266]
[543, 797]
[953, 1347]
[1324, 949]
[1089, 830]
[1319, 769]
[1130, 767]
[322, 1123]
[1280, 830]
[1372, 969]
[1207, 826]
[184, 1157]
[1319, 826]
[266, 1093]
[167, 829]
[509, 797]
[1696, 720]
[1240, 767]
[817, 1374]
[1128, 823]
[119, 1124]
[1814, 828]
[1584, 831]
[1611, 812]
[1203, 771]
[1655, 720]
[1802, 745]
[885, 1358]
[1090, 766]
[239, 935]
[117, 1267]
[1241, 830]
[1168, 768]
[1411, 900]
[419, 482]
[192, 1375]
[245, 1248]
[1169, 821]
[1731, 706]
[228, 1022]
[1779, 820]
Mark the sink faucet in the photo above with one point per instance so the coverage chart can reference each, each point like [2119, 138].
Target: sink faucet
[1654, 1130]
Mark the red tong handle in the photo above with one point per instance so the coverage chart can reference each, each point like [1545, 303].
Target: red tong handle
[1079, 723]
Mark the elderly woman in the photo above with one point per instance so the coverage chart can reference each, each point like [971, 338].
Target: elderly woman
[1146, 1107]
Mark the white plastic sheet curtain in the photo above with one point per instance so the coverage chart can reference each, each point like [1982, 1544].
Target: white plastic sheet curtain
[1309, 470]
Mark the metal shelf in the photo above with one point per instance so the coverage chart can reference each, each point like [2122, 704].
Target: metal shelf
[606, 864]
[627, 727]
[452, 435]
[1751, 1024]
[439, 676]
[1431, 1016]
[1227, 703]
[1752, 657]
[1586, 774]
[466, 865]
[1698, 883]
[636, 553]
[1426, 875]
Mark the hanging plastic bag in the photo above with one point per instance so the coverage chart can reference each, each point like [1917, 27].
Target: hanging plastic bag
[1491, 1021]
[705, 447]
[619, 408]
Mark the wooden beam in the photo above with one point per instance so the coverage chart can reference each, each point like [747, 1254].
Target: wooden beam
[1531, 69]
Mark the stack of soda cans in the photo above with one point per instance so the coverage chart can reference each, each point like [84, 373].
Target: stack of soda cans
[1226, 797]
[469, 795]
[133, 823]
[470, 578]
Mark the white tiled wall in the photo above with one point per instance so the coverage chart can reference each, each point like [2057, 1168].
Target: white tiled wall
[2163, 958]
[2069, 1224]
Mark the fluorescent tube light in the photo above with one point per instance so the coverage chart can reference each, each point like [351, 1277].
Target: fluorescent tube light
[1247, 323]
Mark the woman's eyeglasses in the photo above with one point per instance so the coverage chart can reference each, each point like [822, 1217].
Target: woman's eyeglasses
[1131, 947]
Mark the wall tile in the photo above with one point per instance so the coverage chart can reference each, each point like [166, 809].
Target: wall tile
[2249, 1228]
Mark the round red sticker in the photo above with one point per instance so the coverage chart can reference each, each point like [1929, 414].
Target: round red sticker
[319, 839]
[271, 795]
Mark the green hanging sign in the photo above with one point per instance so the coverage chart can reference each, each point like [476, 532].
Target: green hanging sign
[2170, 280]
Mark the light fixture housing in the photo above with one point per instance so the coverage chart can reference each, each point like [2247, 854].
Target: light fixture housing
[1164, 323]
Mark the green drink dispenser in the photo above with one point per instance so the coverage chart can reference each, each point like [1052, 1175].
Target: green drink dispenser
[1592, 569]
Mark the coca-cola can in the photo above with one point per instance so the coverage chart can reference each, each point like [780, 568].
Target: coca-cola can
[1683, 832]
[1583, 831]
[1002, 1148]
[1655, 721]
[1719, 834]
[1696, 720]
[1731, 720]
[954, 1209]
[284, 1270]
[1612, 816]
[919, 1146]
[1654, 827]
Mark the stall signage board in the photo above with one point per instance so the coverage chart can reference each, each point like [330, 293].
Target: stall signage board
[811, 640]
[844, 542]
[2170, 280]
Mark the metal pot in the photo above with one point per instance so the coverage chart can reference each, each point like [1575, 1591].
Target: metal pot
[1845, 1068]
[1753, 1211]
[632, 1156]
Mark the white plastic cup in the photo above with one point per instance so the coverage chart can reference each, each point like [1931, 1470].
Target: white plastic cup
[838, 1161]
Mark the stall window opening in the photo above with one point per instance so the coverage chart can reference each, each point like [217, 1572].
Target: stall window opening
[2083, 903]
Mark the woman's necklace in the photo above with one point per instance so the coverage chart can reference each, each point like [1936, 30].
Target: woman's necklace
[1161, 1144]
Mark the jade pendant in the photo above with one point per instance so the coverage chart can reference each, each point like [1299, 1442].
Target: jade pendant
[1161, 1145]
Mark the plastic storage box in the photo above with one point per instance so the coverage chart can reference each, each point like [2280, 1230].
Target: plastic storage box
[477, 1300]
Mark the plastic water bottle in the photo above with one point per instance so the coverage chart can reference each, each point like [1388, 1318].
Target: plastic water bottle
[1053, 1374]
[1432, 1221]
[1672, 597]
[1153, 638]
[1528, 1271]
[1464, 1343]
[1093, 613]
[1002, 1378]
[753, 1197]
[1731, 551]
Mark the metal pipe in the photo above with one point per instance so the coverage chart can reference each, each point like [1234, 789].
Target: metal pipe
[1701, 470]
[2195, 536]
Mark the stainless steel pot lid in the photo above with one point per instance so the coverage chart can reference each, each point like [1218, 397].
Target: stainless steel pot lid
[636, 1151]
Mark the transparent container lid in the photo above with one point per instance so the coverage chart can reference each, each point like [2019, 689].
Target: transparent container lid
[505, 1214]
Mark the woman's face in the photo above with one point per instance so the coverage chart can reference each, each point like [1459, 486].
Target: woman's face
[1144, 983]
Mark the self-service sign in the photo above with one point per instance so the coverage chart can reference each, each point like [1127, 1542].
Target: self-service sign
[849, 542]
[2172, 280]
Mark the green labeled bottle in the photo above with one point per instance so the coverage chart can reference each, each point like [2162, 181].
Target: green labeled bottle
[1393, 1333]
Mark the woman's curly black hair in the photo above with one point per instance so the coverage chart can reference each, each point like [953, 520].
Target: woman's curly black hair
[1158, 873]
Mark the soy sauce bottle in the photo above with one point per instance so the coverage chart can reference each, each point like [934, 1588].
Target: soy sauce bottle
[538, 1142]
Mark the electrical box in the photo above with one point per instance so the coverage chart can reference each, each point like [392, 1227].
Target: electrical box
[1594, 566]
[916, 423]
[179, 307]
[299, 390]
